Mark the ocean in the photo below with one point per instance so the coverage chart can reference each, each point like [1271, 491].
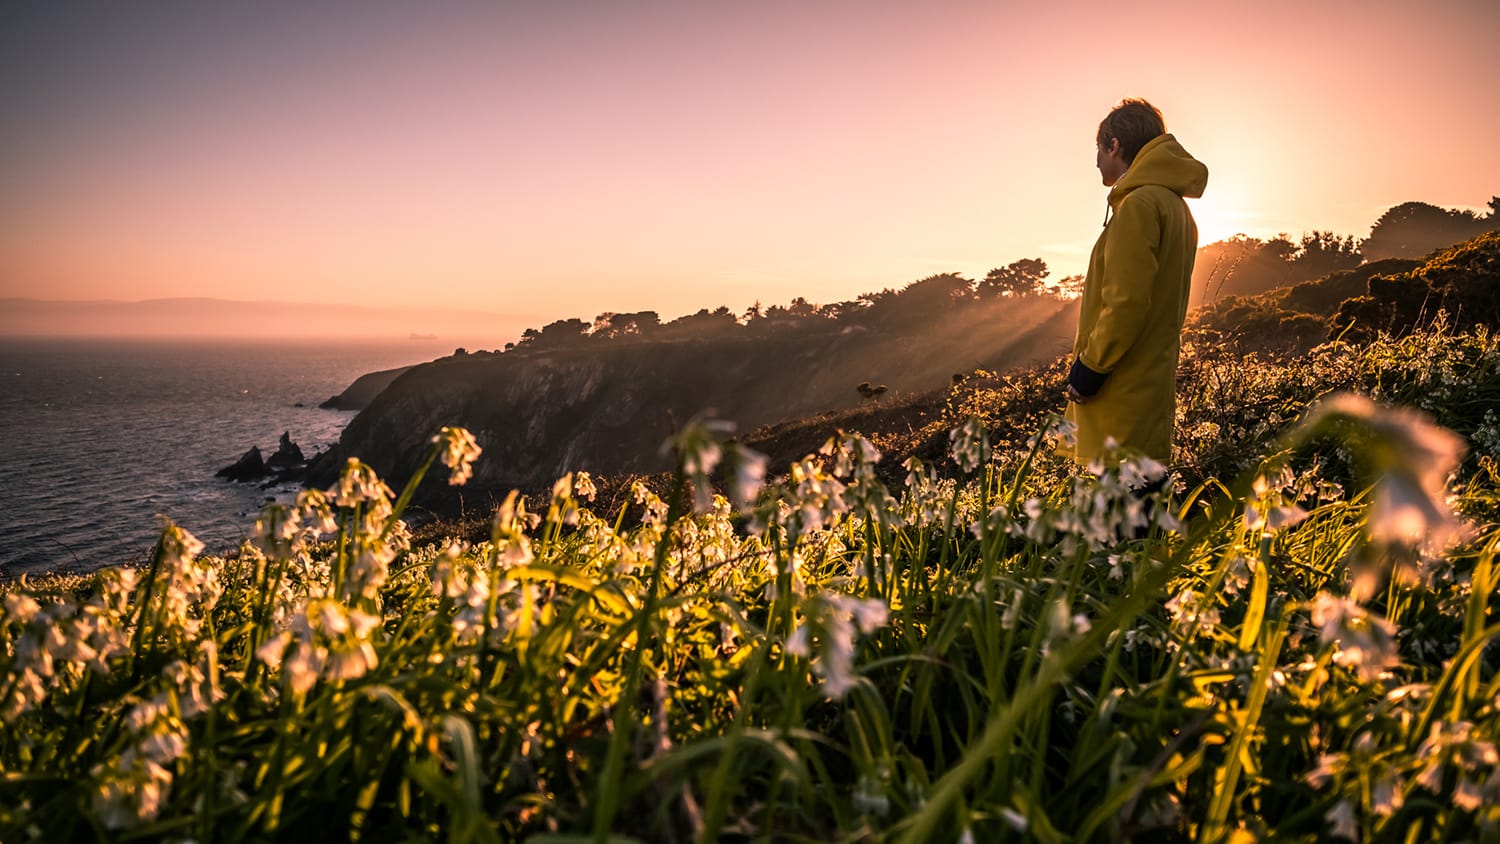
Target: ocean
[100, 439]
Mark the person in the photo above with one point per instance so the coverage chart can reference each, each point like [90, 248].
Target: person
[1122, 383]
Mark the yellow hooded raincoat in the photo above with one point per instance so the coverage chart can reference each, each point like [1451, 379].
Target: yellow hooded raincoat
[1134, 300]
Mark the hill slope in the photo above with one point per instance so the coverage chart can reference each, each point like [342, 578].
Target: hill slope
[1231, 398]
[602, 398]
[605, 405]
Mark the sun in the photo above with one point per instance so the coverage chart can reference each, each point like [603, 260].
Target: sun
[1216, 221]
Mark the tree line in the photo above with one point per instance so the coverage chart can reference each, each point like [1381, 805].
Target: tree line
[1023, 280]
[1239, 265]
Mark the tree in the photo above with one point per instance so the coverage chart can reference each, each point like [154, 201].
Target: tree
[800, 308]
[612, 325]
[705, 322]
[845, 310]
[881, 307]
[1320, 253]
[936, 292]
[563, 332]
[1414, 229]
[1280, 247]
[1069, 287]
[1019, 278]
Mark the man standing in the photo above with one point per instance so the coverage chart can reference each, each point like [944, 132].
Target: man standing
[1122, 384]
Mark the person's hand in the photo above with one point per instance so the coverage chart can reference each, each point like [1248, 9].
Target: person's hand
[1076, 397]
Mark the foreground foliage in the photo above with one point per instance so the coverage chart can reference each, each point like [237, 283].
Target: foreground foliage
[1004, 651]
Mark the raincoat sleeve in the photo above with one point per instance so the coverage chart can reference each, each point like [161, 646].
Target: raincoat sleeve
[1125, 288]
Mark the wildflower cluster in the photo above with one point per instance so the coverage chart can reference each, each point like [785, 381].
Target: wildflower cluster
[51, 642]
[1103, 508]
[827, 633]
[460, 450]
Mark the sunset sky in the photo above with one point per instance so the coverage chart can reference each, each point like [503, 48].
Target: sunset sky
[564, 158]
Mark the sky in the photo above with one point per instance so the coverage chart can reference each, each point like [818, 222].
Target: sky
[566, 158]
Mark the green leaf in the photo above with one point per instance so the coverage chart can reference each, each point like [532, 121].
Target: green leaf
[1255, 614]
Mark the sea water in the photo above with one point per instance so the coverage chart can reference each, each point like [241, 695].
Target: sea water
[102, 439]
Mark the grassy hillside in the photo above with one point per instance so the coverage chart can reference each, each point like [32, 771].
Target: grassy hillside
[1249, 364]
[1390, 296]
[1296, 644]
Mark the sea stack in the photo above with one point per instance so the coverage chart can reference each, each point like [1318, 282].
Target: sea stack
[250, 467]
[288, 455]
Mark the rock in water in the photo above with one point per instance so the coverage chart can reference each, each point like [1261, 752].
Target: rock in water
[288, 455]
[249, 467]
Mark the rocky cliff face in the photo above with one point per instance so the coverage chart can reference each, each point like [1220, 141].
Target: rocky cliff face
[607, 406]
[364, 390]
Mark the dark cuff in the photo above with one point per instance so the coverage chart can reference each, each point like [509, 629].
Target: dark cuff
[1086, 381]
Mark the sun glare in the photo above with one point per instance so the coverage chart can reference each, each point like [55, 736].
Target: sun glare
[1217, 222]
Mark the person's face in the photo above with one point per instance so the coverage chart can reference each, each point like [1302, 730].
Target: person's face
[1111, 162]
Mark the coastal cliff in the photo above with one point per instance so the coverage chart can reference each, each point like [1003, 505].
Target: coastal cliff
[569, 399]
[605, 406]
[365, 388]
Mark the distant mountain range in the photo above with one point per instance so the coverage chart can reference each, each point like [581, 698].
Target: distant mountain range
[227, 319]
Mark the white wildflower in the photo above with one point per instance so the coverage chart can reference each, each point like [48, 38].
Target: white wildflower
[970, 444]
[370, 567]
[1457, 749]
[186, 588]
[133, 788]
[699, 448]
[583, 486]
[653, 509]
[1269, 509]
[1192, 611]
[816, 498]
[512, 521]
[1410, 460]
[357, 485]
[1140, 471]
[326, 640]
[315, 512]
[460, 450]
[1237, 574]
[1341, 821]
[1061, 433]
[441, 572]
[197, 683]
[749, 468]
[277, 529]
[1366, 643]
[869, 797]
[1387, 794]
[827, 635]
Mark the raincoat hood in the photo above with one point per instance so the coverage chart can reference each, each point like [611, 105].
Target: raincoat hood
[1162, 161]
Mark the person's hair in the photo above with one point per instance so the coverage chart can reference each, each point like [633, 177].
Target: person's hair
[1134, 122]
